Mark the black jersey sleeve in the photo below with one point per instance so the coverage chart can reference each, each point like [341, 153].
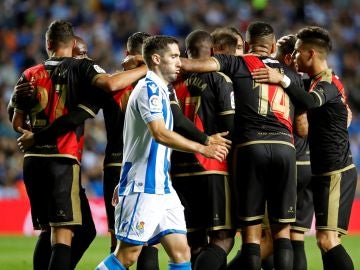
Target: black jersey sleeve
[308, 100]
[62, 125]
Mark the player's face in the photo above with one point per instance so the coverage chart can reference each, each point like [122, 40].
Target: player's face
[239, 46]
[302, 56]
[170, 63]
[80, 50]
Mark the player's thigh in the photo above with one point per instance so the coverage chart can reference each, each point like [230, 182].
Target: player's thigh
[65, 207]
[281, 184]
[250, 168]
[333, 197]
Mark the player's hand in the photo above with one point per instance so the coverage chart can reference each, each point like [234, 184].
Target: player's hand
[115, 198]
[219, 138]
[26, 140]
[267, 75]
[24, 90]
[215, 151]
[132, 61]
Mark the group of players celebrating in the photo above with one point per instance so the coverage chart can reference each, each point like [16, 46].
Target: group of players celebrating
[260, 140]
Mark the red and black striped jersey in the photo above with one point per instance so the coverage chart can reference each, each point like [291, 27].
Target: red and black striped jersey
[61, 85]
[204, 98]
[264, 112]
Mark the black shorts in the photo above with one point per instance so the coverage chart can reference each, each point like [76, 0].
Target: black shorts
[111, 179]
[304, 204]
[206, 199]
[333, 198]
[53, 187]
[264, 173]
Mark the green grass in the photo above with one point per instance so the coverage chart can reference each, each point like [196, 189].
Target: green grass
[16, 252]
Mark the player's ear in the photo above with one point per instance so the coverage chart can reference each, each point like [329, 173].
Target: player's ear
[156, 58]
[74, 42]
[273, 47]
[246, 47]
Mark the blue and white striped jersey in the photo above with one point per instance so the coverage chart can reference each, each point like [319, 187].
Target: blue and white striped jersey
[146, 163]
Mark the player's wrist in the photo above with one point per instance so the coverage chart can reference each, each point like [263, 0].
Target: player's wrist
[285, 81]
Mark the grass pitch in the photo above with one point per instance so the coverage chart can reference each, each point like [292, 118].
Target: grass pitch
[16, 252]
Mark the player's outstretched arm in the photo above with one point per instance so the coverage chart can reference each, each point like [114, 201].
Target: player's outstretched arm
[199, 65]
[174, 140]
[119, 80]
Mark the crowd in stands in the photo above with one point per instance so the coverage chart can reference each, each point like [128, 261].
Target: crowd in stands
[106, 24]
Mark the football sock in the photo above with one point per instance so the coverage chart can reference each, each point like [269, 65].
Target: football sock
[234, 264]
[283, 254]
[148, 259]
[268, 263]
[300, 262]
[60, 257]
[211, 257]
[83, 236]
[180, 266]
[250, 256]
[110, 262]
[42, 252]
[112, 249]
[337, 258]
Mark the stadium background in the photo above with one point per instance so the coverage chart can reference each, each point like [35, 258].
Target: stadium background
[105, 26]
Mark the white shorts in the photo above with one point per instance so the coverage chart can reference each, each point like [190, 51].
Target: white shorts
[142, 218]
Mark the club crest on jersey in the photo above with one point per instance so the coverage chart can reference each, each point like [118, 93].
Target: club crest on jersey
[98, 69]
[153, 87]
[155, 103]
[140, 227]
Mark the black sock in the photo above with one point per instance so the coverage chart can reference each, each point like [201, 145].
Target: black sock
[83, 236]
[112, 249]
[283, 254]
[300, 262]
[250, 256]
[268, 263]
[42, 252]
[234, 264]
[60, 257]
[337, 258]
[211, 257]
[148, 259]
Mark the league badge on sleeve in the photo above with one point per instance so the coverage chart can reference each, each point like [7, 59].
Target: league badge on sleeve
[155, 104]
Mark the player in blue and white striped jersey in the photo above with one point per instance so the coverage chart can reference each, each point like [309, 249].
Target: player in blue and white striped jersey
[148, 209]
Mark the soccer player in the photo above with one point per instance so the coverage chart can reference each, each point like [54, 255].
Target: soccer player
[53, 168]
[149, 210]
[220, 35]
[304, 204]
[263, 150]
[203, 185]
[334, 175]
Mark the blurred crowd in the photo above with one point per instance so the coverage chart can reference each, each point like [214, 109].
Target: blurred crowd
[106, 24]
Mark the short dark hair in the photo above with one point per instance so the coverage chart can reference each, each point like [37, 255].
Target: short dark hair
[222, 39]
[156, 44]
[195, 40]
[287, 44]
[60, 31]
[259, 29]
[315, 36]
[135, 42]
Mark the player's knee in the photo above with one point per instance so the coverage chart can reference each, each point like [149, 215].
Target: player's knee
[180, 255]
[223, 239]
[326, 240]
